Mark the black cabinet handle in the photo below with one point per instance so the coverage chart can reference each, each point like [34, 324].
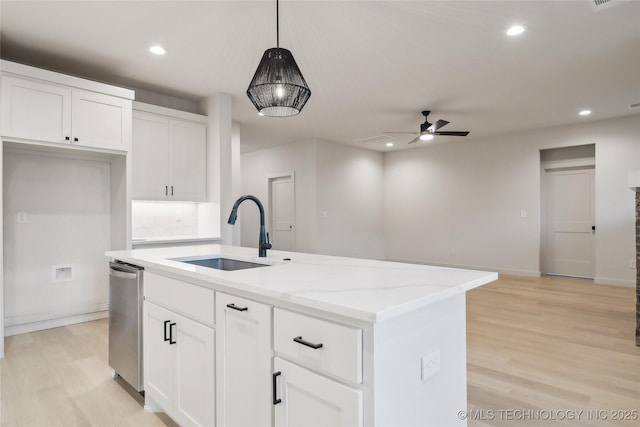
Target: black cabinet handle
[66, 138]
[171, 341]
[274, 379]
[75, 139]
[235, 307]
[166, 190]
[166, 322]
[299, 340]
[172, 190]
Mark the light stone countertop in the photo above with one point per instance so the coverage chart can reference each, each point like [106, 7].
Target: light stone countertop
[372, 291]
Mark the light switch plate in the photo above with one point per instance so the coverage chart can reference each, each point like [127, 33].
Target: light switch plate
[21, 218]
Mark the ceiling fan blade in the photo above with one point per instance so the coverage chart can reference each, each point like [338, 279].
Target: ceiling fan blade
[411, 133]
[414, 140]
[437, 125]
[452, 133]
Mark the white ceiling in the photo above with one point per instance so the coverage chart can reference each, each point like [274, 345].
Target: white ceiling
[372, 66]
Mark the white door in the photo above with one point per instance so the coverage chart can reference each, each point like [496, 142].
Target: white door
[195, 380]
[570, 222]
[311, 400]
[282, 213]
[150, 156]
[34, 110]
[188, 160]
[243, 362]
[158, 360]
[99, 120]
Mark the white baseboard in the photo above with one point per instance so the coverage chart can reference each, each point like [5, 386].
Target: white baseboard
[98, 312]
[614, 282]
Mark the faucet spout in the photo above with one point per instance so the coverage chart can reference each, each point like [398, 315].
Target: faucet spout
[263, 240]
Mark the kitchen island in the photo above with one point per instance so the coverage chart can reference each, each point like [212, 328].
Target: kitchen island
[304, 339]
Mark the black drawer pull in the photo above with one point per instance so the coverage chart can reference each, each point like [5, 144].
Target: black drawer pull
[171, 340]
[274, 379]
[166, 338]
[235, 307]
[299, 340]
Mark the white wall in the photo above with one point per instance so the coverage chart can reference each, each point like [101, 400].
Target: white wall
[345, 182]
[256, 166]
[67, 202]
[459, 202]
[349, 189]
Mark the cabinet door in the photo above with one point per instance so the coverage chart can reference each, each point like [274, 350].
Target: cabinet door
[35, 110]
[195, 381]
[99, 120]
[188, 172]
[311, 400]
[243, 362]
[150, 157]
[158, 355]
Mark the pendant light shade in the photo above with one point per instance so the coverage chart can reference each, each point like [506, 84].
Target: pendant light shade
[278, 88]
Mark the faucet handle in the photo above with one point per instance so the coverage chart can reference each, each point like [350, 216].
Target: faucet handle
[267, 245]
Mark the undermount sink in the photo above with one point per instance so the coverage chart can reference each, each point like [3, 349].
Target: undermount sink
[226, 264]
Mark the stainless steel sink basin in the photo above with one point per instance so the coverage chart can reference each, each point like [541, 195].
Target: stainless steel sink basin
[225, 264]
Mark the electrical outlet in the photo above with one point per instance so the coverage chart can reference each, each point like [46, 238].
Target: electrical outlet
[632, 263]
[430, 364]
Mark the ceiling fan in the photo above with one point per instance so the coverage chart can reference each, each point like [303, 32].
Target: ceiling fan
[428, 130]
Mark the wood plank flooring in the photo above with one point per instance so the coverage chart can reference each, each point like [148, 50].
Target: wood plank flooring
[541, 348]
[552, 345]
[60, 377]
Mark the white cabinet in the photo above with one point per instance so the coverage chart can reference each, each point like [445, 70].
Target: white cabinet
[169, 155]
[243, 362]
[44, 111]
[312, 400]
[302, 397]
[179, 350]
[179, 366]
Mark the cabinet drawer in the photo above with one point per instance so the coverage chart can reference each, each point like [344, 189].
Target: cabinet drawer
[295, 335]
[184, 298]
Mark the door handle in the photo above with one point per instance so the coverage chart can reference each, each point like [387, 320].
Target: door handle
[166, 338]
[593, 228]
[171, 340]
[274, 379]
[235, 307]
[299, 340]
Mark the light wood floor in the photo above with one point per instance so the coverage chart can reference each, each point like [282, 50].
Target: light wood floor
[556, 345]
[552, 344]
[60, 377]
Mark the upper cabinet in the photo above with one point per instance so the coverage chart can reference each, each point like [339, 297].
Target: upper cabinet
[43, 106]
[169, 154]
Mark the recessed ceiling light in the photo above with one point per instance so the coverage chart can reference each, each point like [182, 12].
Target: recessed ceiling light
[157, 50]
[260, 113]
[389, 144]
[515, 30]
[426, 137]
[585, 112]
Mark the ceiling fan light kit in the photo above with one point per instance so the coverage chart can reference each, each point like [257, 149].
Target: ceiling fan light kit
[428, 130]
[278, 88]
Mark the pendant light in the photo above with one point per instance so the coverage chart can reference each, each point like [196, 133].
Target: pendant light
[278, 88]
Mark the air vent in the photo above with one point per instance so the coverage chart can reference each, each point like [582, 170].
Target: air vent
[636, 105]
[599, 5]
[380, 139]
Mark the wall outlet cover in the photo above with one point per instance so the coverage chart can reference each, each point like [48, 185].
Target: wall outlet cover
[430, 364]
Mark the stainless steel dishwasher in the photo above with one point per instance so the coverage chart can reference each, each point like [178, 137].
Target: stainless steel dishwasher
[125, 322]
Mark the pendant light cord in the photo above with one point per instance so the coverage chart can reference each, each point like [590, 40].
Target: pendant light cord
[277, 24]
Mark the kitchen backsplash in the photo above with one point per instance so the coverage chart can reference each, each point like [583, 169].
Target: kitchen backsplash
[151, 220]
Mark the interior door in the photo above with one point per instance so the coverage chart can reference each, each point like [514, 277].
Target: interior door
[570, 222]
[282, 213]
